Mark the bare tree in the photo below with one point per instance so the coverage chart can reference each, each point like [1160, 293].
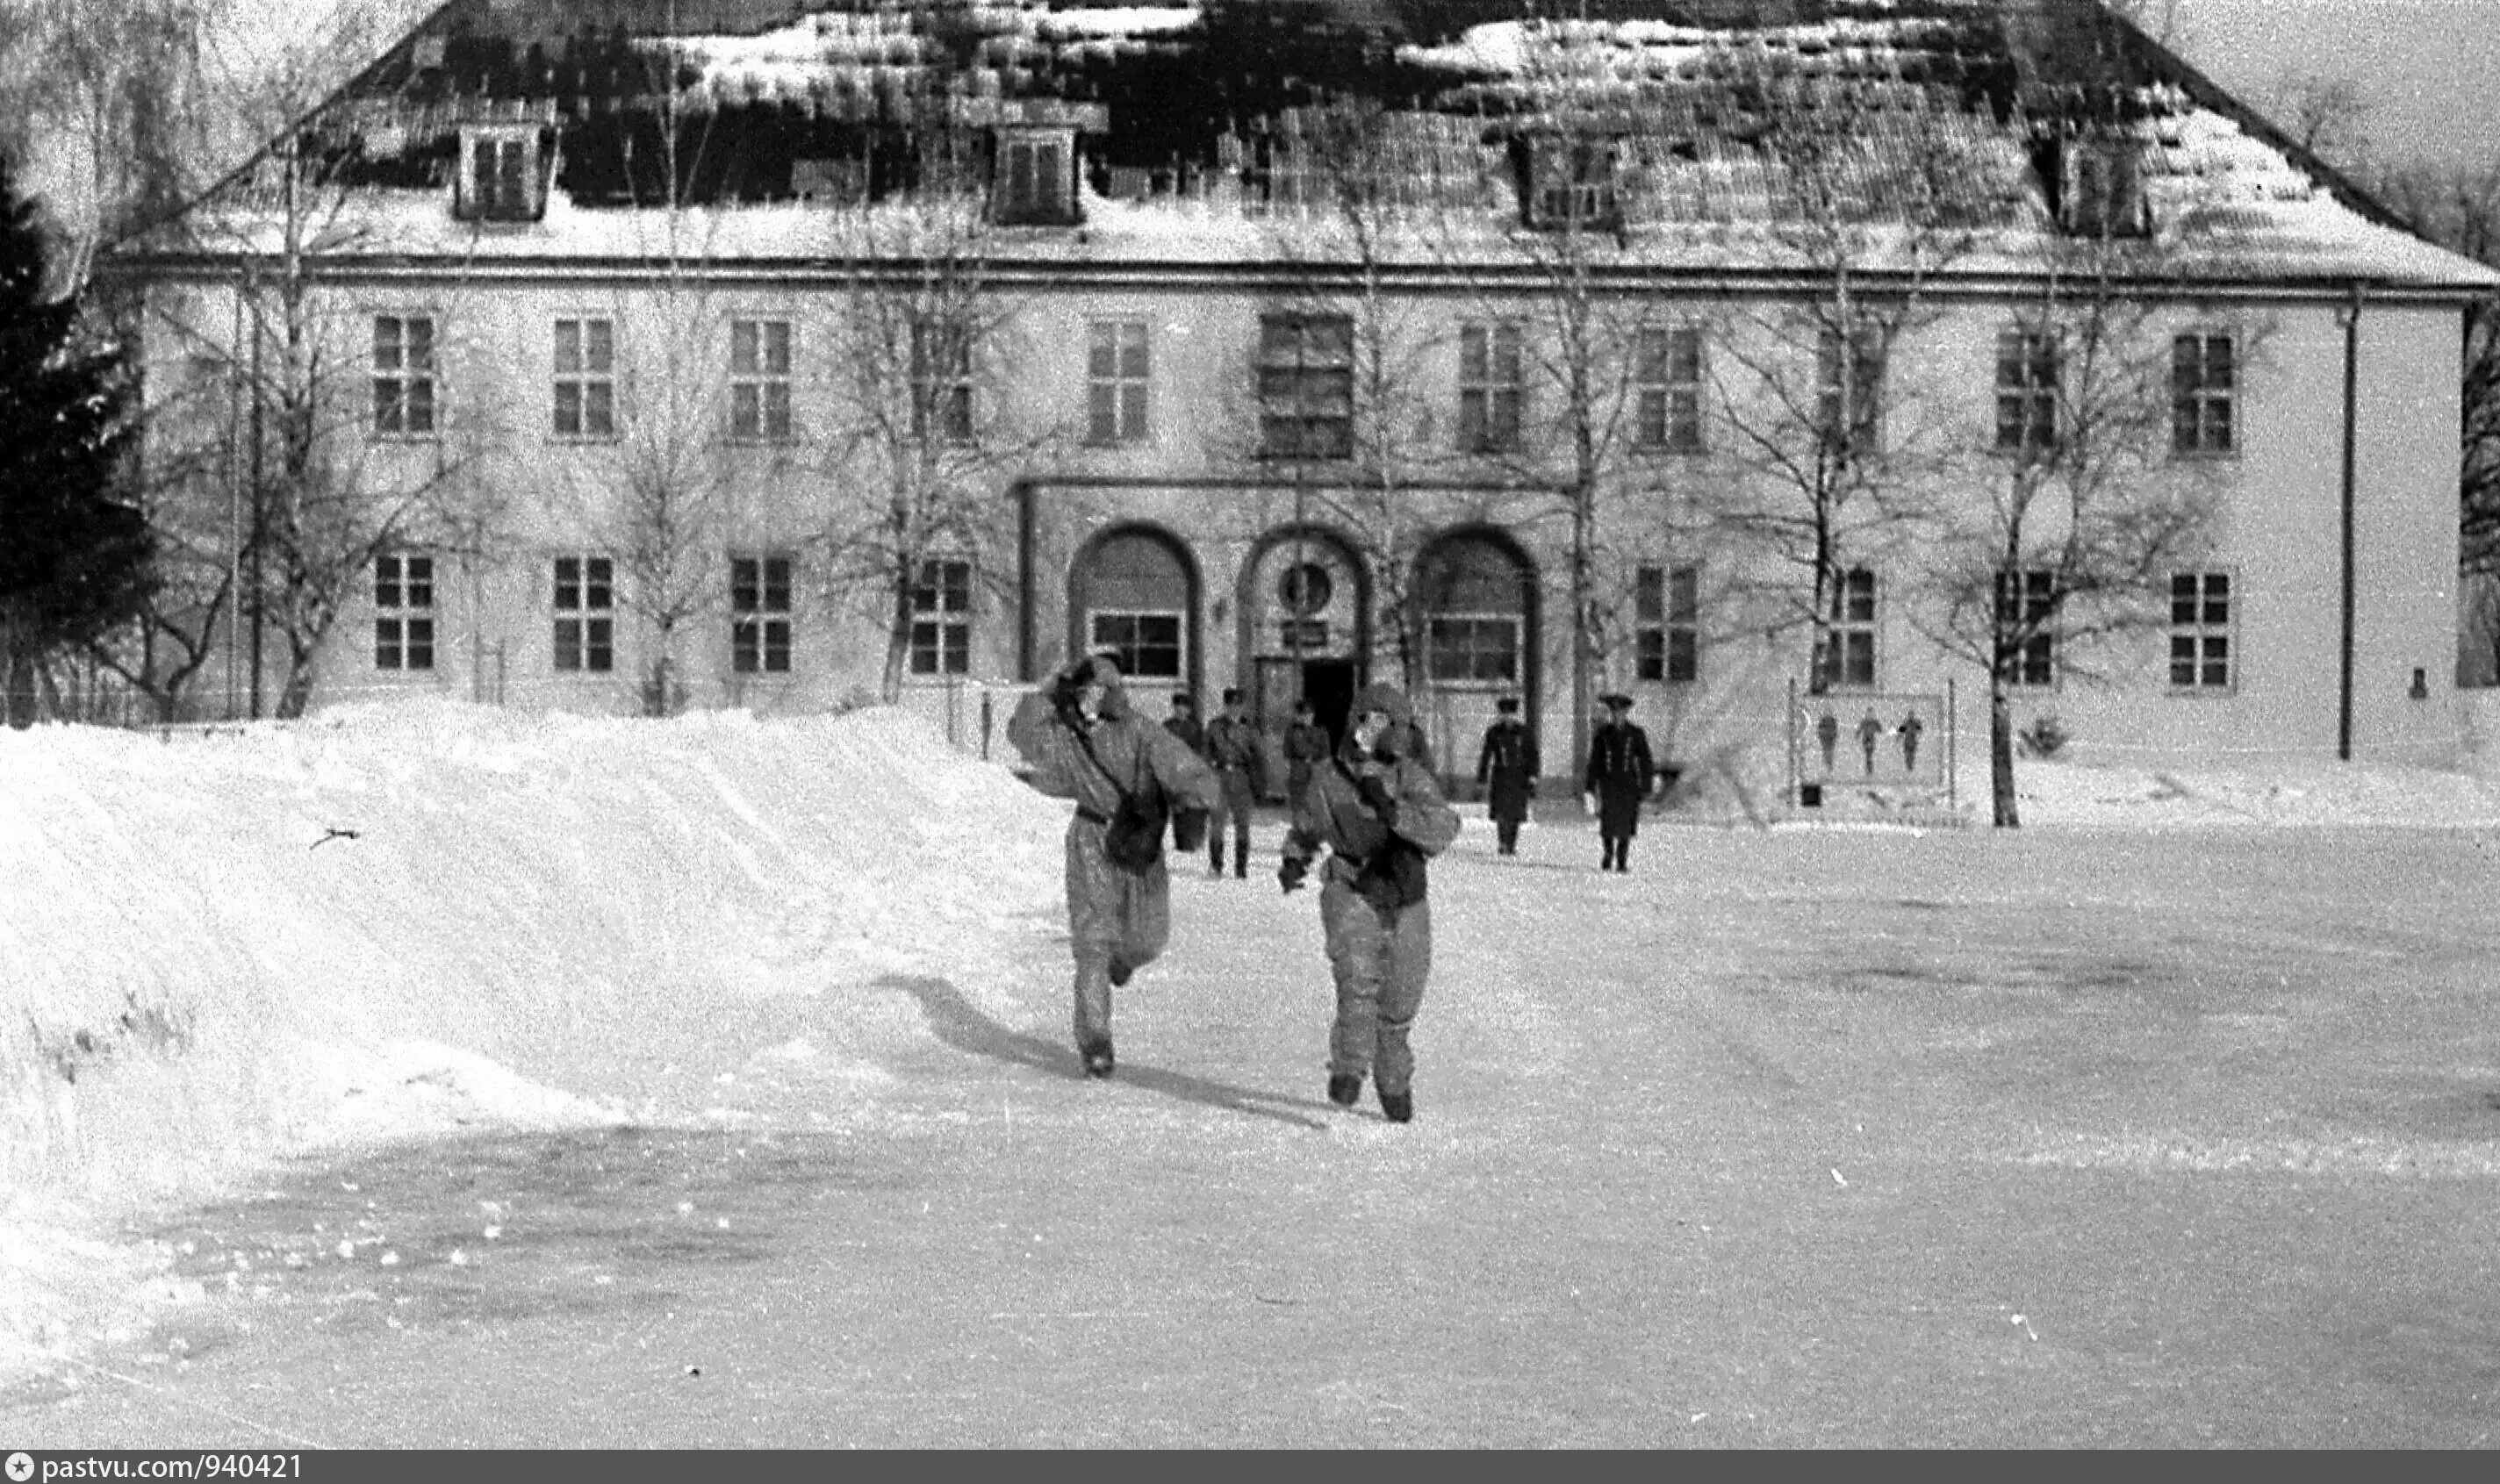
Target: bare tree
[2083, 517]
[2459, 207]
[1871, 203]
[1355, 192]
[334, 433]
[2326, 113]
[921, 334]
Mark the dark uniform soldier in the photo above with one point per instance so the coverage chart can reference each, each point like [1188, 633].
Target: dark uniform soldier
[1306, 746]
[1380, 814]
[1183, 721]
[1084, 743]
[1619, 776]
[1507, 769]
[1232, 751]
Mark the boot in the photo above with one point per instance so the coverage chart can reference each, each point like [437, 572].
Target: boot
[1241, 855]
[1215, 853]
[1623, 856]
[1398, 1107]
[1343, 1090]
[1097, 1059]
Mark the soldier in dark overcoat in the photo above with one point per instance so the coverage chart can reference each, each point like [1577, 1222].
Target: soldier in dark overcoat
[1240, 767]
[1083, 742]
[1306, 746]
[1620, 777]
[1507, 769]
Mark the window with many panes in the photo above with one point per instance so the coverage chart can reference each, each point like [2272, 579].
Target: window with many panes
[2027, 605]
[1479, 649]
[1491, 385]
[1848, 633]
[403, 376]
[1848, 388]
[2200, 631]
[403, 613]
[2204, 390]
[2026, 391]
[1035, 177]
[1146, 645]
[1667, 381]
[759, 380]
[1575, 182]
[1666, 622]
[942, 618]
[759, 615]
[586, 378]
[1305, 386]
[942, 381]
[1115, 382]
[499, 180]
[585, 614]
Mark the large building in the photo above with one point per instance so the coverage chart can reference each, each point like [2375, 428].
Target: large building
[1792, 366]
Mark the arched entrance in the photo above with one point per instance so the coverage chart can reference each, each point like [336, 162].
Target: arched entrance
[1306, 605]
[1477, 593]
[1134, 591]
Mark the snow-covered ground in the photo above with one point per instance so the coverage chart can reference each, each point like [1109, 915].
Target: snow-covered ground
[222, 948]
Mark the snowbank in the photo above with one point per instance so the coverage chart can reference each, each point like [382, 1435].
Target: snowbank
[228, 946]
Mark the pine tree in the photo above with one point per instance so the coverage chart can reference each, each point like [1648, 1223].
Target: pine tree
[74, 553]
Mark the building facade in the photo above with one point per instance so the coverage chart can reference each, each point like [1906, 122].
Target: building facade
[1766, 365]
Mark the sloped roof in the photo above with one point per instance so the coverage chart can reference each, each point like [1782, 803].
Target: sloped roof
[1194, 106]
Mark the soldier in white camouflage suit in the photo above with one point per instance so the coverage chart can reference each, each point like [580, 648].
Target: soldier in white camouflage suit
[1084, 742]
[1380, 814]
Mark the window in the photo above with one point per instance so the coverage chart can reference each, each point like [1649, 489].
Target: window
[500, 178]
[942, 382]
[1115, 371]
[1849, 396]
[1035, 178]
[1490, 381]
[1146, 644]
[586, 378]
[1574, 184]
[2102, 192]
[585, 613]
[942, 618]
[1306, 386]
[1667, 379]
[759, 615]
[1479, 649]
[1666, 622]
[759, 380]
[2026, 392]
[2026, 604]
[2203, 386]
[2200, 631]
[403, 613]
[1849, 637]
[403, 376]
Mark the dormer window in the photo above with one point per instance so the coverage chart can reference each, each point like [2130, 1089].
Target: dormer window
[2101, 188]
[1571, 184]
[499, 175]
[1035, 178]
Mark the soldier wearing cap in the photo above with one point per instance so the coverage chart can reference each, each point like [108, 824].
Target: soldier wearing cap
[1183, 723]
[1619, 776]
[1506, 770]
[1232, 751]
[1380, 815]
[1306, 746]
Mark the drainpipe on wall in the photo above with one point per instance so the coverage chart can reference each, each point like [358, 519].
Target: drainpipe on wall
[1024, 580]
[2351, 477]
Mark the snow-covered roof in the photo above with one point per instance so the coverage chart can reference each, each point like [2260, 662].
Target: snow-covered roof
[1722, 118]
